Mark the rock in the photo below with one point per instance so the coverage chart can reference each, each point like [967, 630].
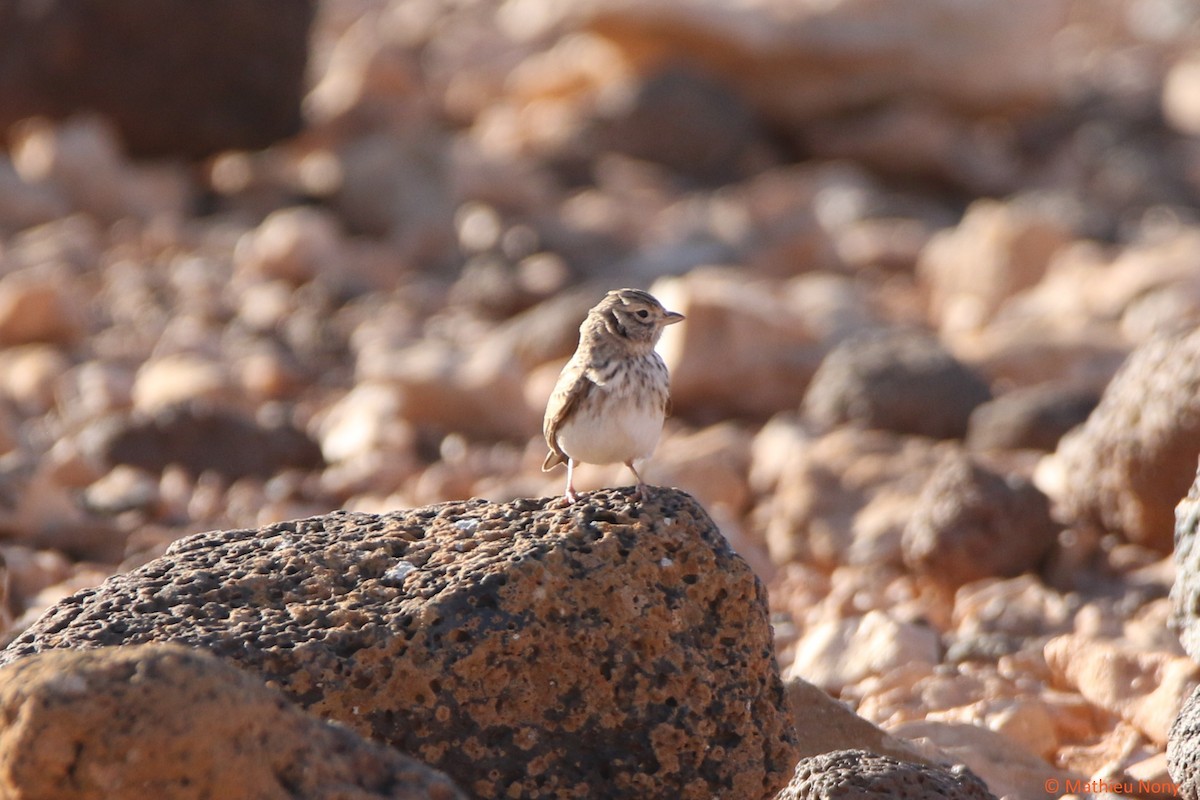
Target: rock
[737, 334]
[191, 726]
[686, 120]
[846, 497]
[897, 381]
[30, 571]
[833, 655]
[1018, 608]
[1008, 769]
[24, 205]
[38, 511]
[779, 55]
[1185, 590]
[171, 380]
[367, 418]
[870, 776]
[825, 725]
[710, 464]
[29, 374]
[477, 390]
[68, 57]
[124, 488]
[1180, 107]
[83, 159]
[292, 244]
[1183, 754]
[1030, 417]
[522, 647]
[200, 439]
[970, 523]
[1145, 689]
[366, 440]
[995, 252]
[395, 183]
[773, 221]
[1125, 469]
[1034, 350]
[38, 304]
[890, 244]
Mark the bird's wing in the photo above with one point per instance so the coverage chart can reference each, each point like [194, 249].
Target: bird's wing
[573, 386]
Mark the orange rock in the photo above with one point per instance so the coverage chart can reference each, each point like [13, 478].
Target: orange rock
[165, 721]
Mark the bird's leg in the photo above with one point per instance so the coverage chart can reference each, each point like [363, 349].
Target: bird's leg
[640, 492]
[571, 496]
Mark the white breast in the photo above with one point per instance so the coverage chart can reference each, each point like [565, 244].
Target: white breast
[618, 422]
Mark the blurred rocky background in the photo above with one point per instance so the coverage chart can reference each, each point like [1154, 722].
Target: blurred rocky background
[940, 262]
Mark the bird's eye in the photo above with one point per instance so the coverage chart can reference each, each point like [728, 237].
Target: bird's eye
[643, 313]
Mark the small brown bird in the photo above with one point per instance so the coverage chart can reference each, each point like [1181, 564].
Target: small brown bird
[611, 398]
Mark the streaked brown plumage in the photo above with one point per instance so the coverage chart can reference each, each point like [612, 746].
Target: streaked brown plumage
[610, 400]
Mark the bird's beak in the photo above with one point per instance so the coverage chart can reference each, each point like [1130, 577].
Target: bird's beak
[672, 317]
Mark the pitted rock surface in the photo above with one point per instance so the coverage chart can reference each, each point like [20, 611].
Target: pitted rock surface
[1132, 461]
[607, 649]
[865, 776]
[1183, 747]
[160, 720]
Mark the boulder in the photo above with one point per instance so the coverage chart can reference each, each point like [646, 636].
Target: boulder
[1127, 467]
[611, 648]
[970, 522]
[160, 720]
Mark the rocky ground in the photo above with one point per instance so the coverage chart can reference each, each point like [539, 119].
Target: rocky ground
[937, 385]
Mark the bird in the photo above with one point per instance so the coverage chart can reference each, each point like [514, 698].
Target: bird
[610, 400]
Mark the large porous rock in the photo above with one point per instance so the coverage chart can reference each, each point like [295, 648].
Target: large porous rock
[227, 74]
[162, 720]
[866, 775]
[898, 381]
[1125, 469]
[607, 648]
[971, 522]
